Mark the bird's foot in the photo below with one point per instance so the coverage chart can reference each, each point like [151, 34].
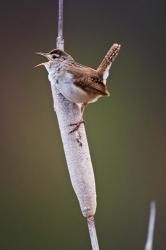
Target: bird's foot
[76, 126]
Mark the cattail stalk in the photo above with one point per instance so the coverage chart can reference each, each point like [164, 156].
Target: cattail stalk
[76, 148]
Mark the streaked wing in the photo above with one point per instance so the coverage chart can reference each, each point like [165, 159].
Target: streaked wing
[88, 79]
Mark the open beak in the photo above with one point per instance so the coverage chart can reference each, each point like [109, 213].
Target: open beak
[40, 64]
[42, 54]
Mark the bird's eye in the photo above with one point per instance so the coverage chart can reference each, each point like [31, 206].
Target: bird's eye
[54, 56]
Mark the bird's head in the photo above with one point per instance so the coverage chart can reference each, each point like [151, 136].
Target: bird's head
[55, 56]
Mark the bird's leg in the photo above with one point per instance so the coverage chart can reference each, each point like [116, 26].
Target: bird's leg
[77, 124]
[83, 107]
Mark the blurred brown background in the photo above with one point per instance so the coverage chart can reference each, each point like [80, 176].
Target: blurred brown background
[126, 132]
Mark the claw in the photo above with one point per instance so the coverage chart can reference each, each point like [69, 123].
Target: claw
[77, 125]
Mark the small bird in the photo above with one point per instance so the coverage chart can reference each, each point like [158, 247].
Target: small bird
[78, 83]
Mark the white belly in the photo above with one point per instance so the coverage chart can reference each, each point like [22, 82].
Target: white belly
[64, 83]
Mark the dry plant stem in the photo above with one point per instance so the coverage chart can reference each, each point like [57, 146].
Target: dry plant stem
[151, 226]
[92, 233]
[76, 147]
[60, 41]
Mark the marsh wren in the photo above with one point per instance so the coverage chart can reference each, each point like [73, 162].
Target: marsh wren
[78, 83]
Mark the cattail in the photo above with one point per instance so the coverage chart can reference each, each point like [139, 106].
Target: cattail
[76, 152]
[76, 148]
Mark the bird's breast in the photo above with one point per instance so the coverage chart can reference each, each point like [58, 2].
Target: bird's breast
[64, 82]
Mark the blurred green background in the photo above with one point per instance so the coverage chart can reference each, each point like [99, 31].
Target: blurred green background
[126, 132]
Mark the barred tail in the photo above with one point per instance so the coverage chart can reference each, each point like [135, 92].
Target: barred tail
[105, 65]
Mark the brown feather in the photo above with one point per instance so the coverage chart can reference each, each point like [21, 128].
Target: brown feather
[108, 59]
[88, 79]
